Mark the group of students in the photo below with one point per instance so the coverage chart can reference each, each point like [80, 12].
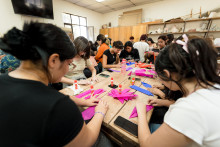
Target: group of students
[33, 114]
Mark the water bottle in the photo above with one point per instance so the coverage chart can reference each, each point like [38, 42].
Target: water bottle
[123, 66]
[132, 78]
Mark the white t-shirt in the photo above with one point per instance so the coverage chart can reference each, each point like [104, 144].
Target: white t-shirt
[198, 117]
[142, 47]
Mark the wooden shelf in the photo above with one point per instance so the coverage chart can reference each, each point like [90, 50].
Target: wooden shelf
[174, 22]
[161, 23]
[196, 32]
[167, 33]
[214, 31]
[193, 20]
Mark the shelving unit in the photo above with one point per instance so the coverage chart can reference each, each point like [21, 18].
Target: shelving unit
[188, 27]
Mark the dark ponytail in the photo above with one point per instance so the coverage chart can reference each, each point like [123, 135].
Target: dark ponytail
[38, 41]
[204, 61]
[200, 62]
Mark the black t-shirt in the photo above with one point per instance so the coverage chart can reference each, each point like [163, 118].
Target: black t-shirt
[32, 114]
[134, 54]
[111, 58]
[158, 113]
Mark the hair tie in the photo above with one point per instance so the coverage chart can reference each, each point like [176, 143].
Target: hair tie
[184, 43]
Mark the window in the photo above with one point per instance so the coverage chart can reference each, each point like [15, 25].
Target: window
[78, 24]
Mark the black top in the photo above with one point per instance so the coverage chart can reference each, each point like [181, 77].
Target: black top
[151, 58]
[158, 113]
[134, 54]
[111, 58]
[94, 48]
[32, 114]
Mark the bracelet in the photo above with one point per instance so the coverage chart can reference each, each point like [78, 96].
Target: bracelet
[100, 113]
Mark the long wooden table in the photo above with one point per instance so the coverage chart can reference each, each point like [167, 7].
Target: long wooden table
[116, 108]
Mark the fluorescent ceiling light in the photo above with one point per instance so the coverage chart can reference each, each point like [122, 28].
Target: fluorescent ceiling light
[99, 0]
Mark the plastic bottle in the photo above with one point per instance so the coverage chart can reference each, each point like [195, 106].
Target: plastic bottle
[132, 76]
[123, 66]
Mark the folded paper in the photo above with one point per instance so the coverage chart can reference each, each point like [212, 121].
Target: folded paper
[146, 85]
[141, 90]
[88, 113]
[135, 114]
[128, 68]
[113, 70]
[125, 95]
[96, 92]
[151, 71]
[130, 63]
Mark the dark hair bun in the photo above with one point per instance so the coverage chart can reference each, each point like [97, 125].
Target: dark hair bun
[17, 43]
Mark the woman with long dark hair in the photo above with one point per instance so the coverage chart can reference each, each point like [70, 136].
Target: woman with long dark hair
[33, 114]
[129, 52]
[191, 67]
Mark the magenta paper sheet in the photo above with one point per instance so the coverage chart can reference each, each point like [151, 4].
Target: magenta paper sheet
[134, 112]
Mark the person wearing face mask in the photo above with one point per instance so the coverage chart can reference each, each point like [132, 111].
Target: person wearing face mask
[111, 57]
[80, 62]
[129, 53]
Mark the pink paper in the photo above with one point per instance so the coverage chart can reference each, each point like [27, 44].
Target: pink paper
[88, 113]
[151, 71]
[145, 75]
[125, 95]
[137, 72]
[140, 70]
[84, 94]
[134, 112]
[98, 91]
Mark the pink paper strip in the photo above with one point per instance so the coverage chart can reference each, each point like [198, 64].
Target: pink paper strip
[151, 71]
[98, 91]
[88, 113]
[143, 74]
[83, 94]
[134, 112]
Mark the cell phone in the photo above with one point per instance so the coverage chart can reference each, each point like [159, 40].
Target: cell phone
[127, 125]
[136, 79]
[104, 75]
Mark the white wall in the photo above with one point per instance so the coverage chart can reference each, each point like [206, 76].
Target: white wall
[167, 9]
[9, 19]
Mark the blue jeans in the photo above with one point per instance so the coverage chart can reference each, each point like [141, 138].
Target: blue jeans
[153, 127]
[103, 141]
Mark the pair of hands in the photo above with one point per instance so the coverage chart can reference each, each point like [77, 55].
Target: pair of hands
[101, 105]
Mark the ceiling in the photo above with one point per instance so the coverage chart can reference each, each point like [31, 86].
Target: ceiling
[110, 5]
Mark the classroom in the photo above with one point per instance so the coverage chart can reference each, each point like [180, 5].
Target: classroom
[110, 73]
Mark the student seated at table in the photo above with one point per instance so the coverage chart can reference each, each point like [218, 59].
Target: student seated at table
[129, 53]
[86, 71]
[151, 55]
[103, 46]
[166, 98]
[190, 67]
[111, 57]
[151, 43]
[80, 62]
[33, 114]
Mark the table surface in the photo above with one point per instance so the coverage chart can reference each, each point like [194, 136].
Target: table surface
[116, 108]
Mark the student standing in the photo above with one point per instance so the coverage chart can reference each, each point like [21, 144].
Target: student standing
[142, 47]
